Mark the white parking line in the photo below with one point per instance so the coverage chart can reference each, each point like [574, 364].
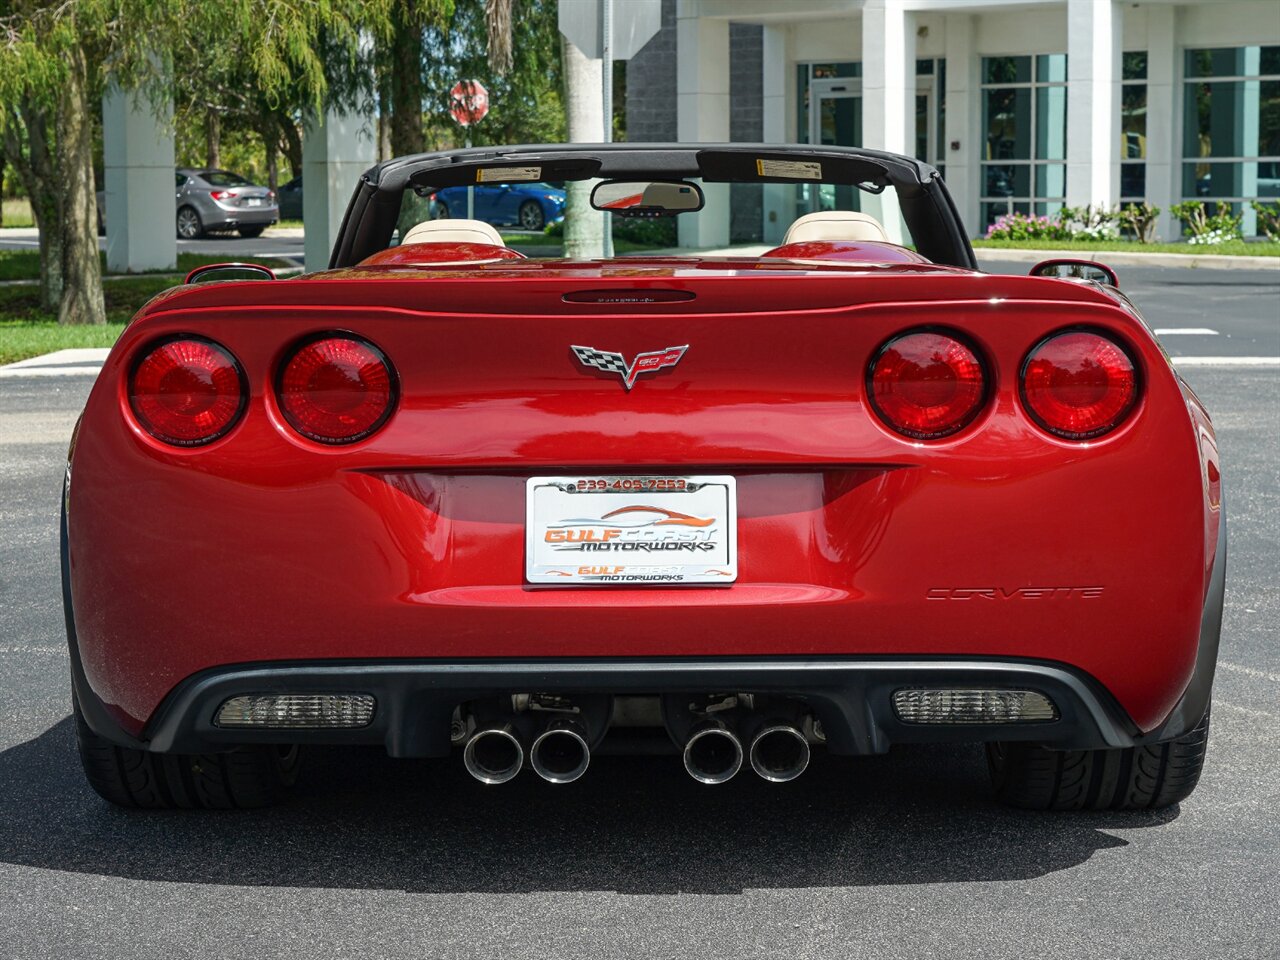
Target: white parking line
[1226, 361]
[1249, 671]
[1185, 331]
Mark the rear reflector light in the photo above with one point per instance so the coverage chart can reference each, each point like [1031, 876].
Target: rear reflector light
[187, 391]
[973, 706]
[297, 711]
[926, 385]
[337, 389]
[1079, 385]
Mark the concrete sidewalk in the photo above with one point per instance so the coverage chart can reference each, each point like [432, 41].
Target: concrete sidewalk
[79, 362]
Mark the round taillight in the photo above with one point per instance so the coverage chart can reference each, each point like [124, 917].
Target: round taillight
[187, 391]
[926, 384]
[336, 389]
[1079, 385]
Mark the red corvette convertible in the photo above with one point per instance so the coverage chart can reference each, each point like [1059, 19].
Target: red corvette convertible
[839, 495]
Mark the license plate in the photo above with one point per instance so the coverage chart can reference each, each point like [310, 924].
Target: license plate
[253, 202]
[637, 530]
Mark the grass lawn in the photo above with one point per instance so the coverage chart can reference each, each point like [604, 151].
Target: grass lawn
[1234, 248]
[27, 331]
[17, 213]
[25, 264]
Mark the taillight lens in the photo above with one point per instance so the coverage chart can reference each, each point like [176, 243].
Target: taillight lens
[187, 391]
[336, 389]
[221, 194]
[1079, 385]
[926, 384]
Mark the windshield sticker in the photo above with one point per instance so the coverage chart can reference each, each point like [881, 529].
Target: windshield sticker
[507, 174]
[791, 169]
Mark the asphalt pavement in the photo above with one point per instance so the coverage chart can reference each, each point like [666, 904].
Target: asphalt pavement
[904, 855]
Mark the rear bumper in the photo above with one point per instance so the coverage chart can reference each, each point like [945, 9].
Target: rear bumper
[415, 700]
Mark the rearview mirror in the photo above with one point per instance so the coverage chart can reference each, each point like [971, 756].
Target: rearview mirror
[1076, 270]
[646, 198]
[230, 271]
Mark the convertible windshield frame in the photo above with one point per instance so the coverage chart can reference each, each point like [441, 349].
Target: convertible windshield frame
[927, 208]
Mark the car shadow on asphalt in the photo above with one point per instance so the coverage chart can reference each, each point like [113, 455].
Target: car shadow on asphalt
[635, 825]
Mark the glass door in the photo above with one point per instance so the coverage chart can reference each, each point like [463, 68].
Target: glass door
[835, 119]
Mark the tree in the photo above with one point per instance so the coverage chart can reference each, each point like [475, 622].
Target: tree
[583, 227]
[57, 55]
[524, 82]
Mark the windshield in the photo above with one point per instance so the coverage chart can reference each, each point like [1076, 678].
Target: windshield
[738, 218]
[222, 178]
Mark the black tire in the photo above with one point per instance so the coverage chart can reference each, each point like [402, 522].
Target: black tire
[1138, 778]
[440, 211]
[249, 777]
[189, 224]
[250, 232]
[531, 215]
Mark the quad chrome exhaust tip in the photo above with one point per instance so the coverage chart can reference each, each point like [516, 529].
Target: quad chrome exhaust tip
[494, 754]
[779, 752]
[561, 753]
[713, 753]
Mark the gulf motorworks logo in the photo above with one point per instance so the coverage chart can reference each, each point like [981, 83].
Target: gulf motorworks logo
[609, 362]
[639, 528]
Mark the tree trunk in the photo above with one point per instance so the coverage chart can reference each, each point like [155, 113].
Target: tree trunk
[34, 163]
[212, 139]
[406, 87]
[583, 227]
[78, 221]
[291, 144]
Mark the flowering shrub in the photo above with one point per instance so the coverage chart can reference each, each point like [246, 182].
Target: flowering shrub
[1268, 219]
[1019, 226]
[1206, 229]
[1140, 219]
[1211, 238]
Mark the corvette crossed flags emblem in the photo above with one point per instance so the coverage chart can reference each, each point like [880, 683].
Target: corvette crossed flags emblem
[609, 362]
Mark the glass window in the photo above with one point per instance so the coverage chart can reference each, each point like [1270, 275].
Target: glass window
[1134, 66]
[1051, 68]
[806, 73]
[1025, 121]
[1133, 121]
[223, 178]
[1008, 123]
[1006, 70]
[1051, 180]
[1133, 181]
[1231, 128]
[924, 67]
[1051, 123]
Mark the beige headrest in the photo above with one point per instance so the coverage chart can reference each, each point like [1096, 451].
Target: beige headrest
[835, 225]
[453, 231]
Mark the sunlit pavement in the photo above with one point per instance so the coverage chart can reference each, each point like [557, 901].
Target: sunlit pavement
[898, 856]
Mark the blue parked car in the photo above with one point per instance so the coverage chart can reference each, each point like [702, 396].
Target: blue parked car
[530, 206]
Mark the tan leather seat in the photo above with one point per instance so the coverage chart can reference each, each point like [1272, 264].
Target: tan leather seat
[835, 225]
[453, 231]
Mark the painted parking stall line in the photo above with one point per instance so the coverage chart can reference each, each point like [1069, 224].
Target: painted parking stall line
[1185, 332]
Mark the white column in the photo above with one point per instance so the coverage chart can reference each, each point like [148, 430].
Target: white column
[888, 96]
[137, 161]
[702, 113]
[779, 199]
[336, 149]
[964, 121]
[1094, 47]
[1164, 150]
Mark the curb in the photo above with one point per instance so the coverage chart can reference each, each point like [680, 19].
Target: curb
[1204, 261]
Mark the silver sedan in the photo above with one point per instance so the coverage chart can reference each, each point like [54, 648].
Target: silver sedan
[211, 201]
